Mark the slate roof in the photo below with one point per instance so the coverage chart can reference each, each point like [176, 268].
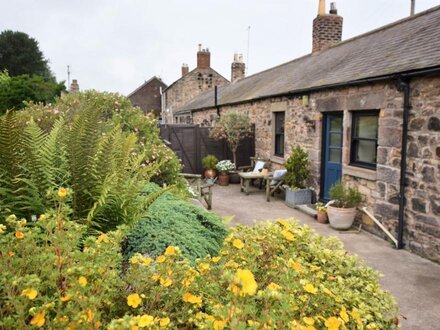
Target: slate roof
[406, 45]
[146, 83]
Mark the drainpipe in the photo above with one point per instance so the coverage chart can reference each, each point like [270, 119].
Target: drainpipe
[403, 86]
[216, 101]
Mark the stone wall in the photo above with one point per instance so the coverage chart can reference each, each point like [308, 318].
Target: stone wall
[189, 86]
[380, 187]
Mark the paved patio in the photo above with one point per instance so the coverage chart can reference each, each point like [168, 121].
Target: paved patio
[413, 281]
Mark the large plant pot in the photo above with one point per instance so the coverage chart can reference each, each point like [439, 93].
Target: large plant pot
[298, 197]
[341, 218]
[234, 177]
[210, 173]
[223, 179]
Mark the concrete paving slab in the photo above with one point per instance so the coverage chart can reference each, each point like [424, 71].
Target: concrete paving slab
[412, 280]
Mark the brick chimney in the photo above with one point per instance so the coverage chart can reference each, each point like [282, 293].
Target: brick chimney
[327, 28]
[203, 58]
[237, 68]
[74, 87]
[185, 69]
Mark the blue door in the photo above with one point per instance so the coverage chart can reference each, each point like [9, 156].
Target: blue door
[332, 160]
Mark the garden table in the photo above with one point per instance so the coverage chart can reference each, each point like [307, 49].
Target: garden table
[247, 177]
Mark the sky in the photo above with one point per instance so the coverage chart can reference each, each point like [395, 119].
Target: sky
[116, 45]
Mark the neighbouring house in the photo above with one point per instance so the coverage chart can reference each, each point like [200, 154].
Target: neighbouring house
[366, 109]
[191, 84]
[148, 96]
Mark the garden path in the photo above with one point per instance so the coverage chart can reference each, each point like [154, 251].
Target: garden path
[412, 280]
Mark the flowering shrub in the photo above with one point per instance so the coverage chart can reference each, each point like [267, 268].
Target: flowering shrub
[225, 166]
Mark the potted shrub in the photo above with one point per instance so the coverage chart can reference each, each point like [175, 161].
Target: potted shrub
[209, 162]
[224, 167]
[342, 210]
[321, 215]
[298, 171]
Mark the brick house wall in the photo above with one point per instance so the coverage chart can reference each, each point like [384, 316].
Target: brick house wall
[148, 96]
[380, 187]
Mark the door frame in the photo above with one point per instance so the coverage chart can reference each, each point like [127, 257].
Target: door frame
[323, 146]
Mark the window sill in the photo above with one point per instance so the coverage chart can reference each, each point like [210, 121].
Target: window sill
[277, 160]
[360, 172]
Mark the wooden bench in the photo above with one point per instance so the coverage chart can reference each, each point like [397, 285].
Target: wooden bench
[201, 188]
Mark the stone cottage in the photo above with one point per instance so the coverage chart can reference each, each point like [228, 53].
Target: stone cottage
[148, 96]
[366, 109]
[191, 84]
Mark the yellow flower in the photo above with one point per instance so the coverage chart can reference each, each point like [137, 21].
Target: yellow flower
[246, 280]
[344, 314]
[155, 277]
[39, 319]
[102, 238]
[2, 229]
[171, 251]
[288, 235]
[82, 281]
[272, 286]
[203, 267]
[31, 293]
[166, 282]
[188, 297]
[160, 259]
[163, 322]
[62, 192]
[284, 223]
[332, 323]
[327, 291]
[238, 244]
[309, 320]
[90, 315]
[216, 259]
[310, 288]
[134, 300]
[295, 265]
[11, 253]
[219, 324]
[66, 297]
[19, 235]
[145, 321]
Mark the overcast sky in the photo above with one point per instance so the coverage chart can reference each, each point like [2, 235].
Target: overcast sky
[115, 45]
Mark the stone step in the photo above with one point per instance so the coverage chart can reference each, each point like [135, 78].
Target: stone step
[308, 209]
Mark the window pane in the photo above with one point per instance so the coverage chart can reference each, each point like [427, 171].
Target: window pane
[335, 155]
[335, 139]
[279, 145]
[279, 133]
[336, 124]
[365, 151]
[366, 127]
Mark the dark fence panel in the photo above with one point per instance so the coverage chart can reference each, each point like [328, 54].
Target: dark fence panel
[191, 143]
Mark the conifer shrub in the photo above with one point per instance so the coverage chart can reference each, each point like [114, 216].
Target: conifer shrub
[171, 220]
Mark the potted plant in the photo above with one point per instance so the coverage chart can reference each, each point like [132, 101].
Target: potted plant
[321, 215]
[342, 210]
[224, 167]
[298, 171]
[209, 162]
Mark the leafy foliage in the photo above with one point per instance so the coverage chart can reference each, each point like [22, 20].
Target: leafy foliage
[297, 166]
[232, 127]
[20, 54]
[173, 221]
[209, 162]
[345, 197]
[16, 91]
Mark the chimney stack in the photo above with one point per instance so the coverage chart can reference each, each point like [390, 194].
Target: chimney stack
[203, 58]
[327, 28]
[237, 68]
[185, 69]
[74, 87]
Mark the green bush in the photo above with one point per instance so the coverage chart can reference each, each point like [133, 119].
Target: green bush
[297, 166]
[345, 197]
[173, 221]
[209, 162]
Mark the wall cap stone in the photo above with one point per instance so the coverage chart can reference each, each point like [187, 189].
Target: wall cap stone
[360, 172]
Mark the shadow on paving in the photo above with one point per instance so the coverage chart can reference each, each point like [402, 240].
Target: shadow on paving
[412, 280]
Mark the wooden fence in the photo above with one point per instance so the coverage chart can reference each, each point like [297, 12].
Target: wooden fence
[191, 143]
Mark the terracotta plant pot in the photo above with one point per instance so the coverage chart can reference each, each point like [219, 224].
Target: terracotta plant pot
[223, 179]
[322, 217]
[341, 218]
[210, 173]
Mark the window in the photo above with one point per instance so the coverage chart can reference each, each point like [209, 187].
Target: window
[279, 134]
[364, 139]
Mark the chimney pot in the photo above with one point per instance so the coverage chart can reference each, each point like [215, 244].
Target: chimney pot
[321, 8]
[333, 10]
